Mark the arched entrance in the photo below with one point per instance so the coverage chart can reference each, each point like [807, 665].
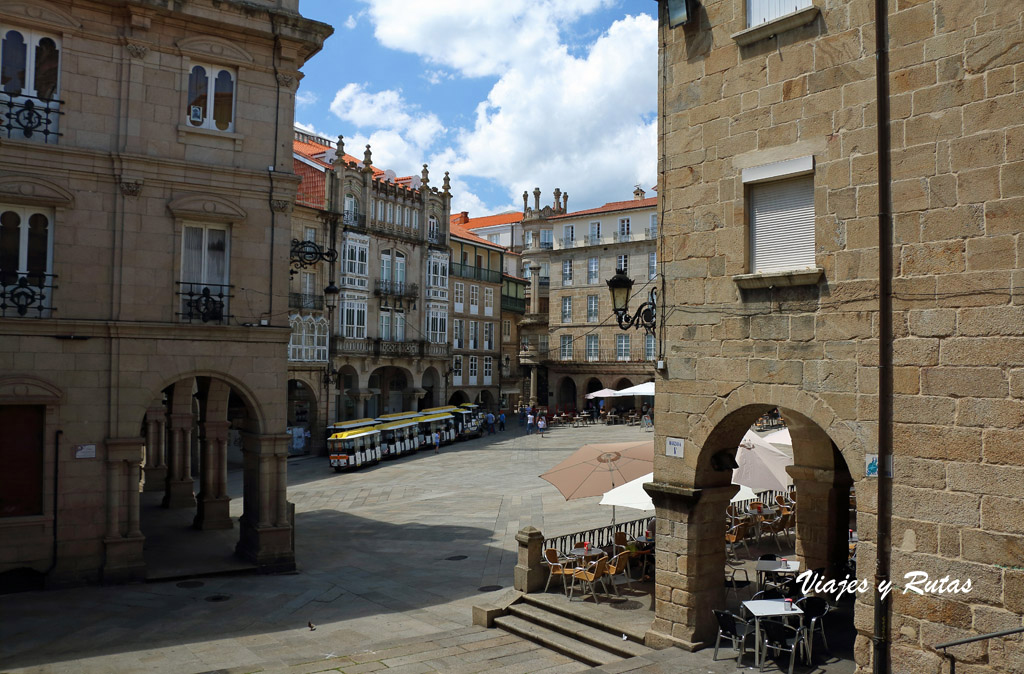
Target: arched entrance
[304, 424]
[827, 460]
[431, 380]
[458, 397]
[390, 391]
[566, 396]
[487, 400]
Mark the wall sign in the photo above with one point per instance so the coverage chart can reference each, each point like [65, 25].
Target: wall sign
[84, 451]
[674, 447]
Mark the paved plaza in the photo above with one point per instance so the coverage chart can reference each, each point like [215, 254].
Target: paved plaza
[373, 577]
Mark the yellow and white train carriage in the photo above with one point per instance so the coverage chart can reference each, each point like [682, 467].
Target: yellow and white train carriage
[399, 437]
[447, 430]
[442, 422]
[355, 448]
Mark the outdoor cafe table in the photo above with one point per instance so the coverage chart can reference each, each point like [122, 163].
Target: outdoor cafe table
[766, 566]
[768, 608]
[757, 515]
[583, 554]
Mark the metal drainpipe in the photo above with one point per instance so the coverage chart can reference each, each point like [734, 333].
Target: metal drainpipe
[880, 639]
[56, 494]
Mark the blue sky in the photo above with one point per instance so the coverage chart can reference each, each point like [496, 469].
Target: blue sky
[506, 96]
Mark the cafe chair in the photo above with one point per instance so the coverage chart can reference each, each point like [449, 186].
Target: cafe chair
[558, 566]
[735, 629]
[737, 535]
[734, 583]
[815, 609]
[589, 575]
[770, 593]
[777, 526]
[781, 637]
[619, 565]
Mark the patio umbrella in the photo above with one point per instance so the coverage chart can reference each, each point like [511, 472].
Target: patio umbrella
[603, 393]
[632, 495]
[762, 466]
[594, 469]
[638, 390]
[780, 439]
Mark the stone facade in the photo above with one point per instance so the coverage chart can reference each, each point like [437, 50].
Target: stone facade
[143, 275]
[388, 336]
[744, 109]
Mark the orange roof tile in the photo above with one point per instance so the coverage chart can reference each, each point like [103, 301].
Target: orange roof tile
[488, 220]
[311, 190]
[613, 206]
[313, 152]
[462, 233]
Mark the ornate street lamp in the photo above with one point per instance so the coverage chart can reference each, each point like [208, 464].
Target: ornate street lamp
[621, 286]
[331, 296]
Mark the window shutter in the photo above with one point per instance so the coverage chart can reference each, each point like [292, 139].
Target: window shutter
[782, 225]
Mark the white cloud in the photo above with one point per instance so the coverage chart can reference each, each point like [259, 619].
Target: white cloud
[388, 112]
[306, 98]
[353, 19]
[309, 128]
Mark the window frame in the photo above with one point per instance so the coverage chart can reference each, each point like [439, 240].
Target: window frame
[622, 347]
[566, 308]
[593, 308]
[593, 270]
[565, 347]
[759, 179]
[208, 121]
[47, 107]
[593, 354]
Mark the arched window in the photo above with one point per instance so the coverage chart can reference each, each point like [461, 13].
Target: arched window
[391, 212]
[30, 67]
[385, 265]
[351, 207]
[211, 97]
[432, 229]
[399, 267]
[297, 338]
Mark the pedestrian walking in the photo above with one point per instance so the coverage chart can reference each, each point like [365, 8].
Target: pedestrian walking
[490, 423]
[542, 423]
[522, 416]
[529, 423]
[437, 442]
[501, 421]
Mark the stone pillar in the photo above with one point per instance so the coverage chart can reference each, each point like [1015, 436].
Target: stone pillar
[123, 551]
[689, 563]
[266, 534]
[212, 510]
[533, 386]
[156, 465]
[534, 288]
[179, 492]
[529, 575]
[822, 517]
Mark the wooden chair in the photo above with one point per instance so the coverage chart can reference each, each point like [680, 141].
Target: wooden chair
[589, 575]
[558, 566]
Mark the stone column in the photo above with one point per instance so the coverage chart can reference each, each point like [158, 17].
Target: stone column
[212, 510]
[156, 466]
[123, 559]
[265, 536]
[533, 386]
[179, 492]
[529, 576]
[689, 563]
[822, 517]
[534, 288]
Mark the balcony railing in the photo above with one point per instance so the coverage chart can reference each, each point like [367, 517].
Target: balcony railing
[475, 273]
[580, 354]
[516, 304]
[353, 218]
[396, 289]
[305, 301]
[204, 302]
[28, 295]
[386, 348]
[29, 118]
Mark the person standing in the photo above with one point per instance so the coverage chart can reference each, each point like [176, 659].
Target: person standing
[529, 422]
[501, 421]
[437, 442]
[490, 423]
[542, 423]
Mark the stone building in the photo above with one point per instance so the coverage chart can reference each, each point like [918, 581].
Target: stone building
[570, 340]
[477, 288]
[143, 275]
[386, 348]
[784, 290]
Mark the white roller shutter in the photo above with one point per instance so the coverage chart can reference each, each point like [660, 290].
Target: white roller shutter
[782, 225]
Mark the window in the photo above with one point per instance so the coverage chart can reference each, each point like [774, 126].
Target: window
[204, 273]
[652, 265]
[621, 347]
[473, 360]
[650, 347]
[569, 233]
[380, 210]
[399, 326]
[595, 231]
[433, 231]
[415, 219]
[488, 367]
[567, 272]
[26, 244]
[565, 347]
[542, 345]
[437, 272]
[567, 309]
[592, 267]
[488, 336]
[29, 75]
[592, 309]
[211, 97]
[460, 295]
[473, 334]
[308, 340]
[353, 318]
[488, 301]
[385, 326]
[506, 331]
[593, 348]
[653, 233]
[437, 323]
[474, 298]
[391, 212]
[356, 254]
[545, 239]
[528, 240]
[457, 366]
[457, 333]
[781, 208]
[624, 229]
[309, 293]
[762, 11]
[622, 263]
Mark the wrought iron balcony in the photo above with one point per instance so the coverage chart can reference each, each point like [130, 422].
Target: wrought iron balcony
[305, 301]
[353, 219]
[516, 304]
[26, 295]
[29, 118]
[204, 302]
[382, 287]
[475, 273]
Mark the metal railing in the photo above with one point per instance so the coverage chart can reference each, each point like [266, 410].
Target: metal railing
[305, 301]
[353, 218]
[516, 304]
[204, 302]
[396, 288]
[579, 353]
[599, 537]
[970, 640]
[27, 117]
[476, 273]
[26, 294]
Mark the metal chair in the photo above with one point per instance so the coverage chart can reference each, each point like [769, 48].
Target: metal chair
[732, 582]
[737, 535]
[781, 637]
[558, 566]
[619, 565]
[815, 609]
[735, 629]
[589, 575]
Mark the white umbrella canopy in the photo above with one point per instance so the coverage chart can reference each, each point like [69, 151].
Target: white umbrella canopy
[603, 393]
[638, 390]
[762, 466]
[780, 437]
[631, 494]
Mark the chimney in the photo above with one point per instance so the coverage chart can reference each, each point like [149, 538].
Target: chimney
[462, 218]
[638, 193]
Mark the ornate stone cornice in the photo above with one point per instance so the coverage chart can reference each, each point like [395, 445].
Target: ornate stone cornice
[285, 80]
[131, 188]
[137, 51]
[281, 205]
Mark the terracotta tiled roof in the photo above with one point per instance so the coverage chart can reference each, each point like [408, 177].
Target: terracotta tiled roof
[465, 234]
[311, 190]
[613, 206]
[488, 220]
[313, 151]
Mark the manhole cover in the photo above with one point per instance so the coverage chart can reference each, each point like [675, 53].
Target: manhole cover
[456, 558]
[218, 597]
[188, 584]
[628, 605]
[489, 588]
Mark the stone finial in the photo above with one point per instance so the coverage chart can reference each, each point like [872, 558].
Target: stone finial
[425, 176]
[446, 183]
[367, 159]
[536, 198]
[526, 202]
[558, 199]
[339, 153]
[565, 202]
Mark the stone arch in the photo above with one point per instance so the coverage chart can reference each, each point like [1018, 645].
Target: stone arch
[431, 383]
[565, 393]
[487, 400]
[458, 397]
[593, 384]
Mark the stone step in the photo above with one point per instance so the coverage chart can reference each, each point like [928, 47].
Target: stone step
[557, 604]
[556, 641]
[572, 627]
